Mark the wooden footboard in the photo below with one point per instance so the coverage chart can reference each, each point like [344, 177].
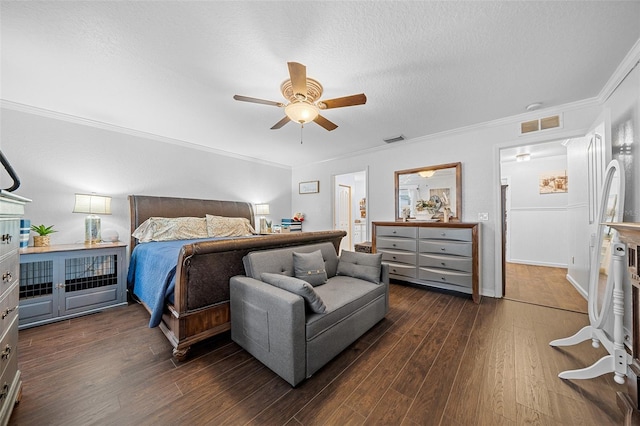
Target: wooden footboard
[201, 296]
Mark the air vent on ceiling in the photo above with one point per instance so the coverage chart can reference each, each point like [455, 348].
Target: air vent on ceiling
[540, 124]
[394, 139]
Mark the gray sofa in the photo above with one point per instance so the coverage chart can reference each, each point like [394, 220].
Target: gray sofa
[296, 336]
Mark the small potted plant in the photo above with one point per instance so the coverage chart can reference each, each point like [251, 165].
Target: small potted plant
[42, 239]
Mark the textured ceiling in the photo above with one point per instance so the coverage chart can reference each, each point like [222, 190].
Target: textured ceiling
[171, 68]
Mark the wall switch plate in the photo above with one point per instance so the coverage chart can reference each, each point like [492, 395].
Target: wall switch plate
[483, 216]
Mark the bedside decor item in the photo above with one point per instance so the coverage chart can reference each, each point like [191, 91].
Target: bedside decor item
[43, 238]
[25, 228]
[311, 187]
[92, 205]
[263, 210]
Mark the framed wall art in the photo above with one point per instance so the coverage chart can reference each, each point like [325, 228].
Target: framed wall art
[310, 187]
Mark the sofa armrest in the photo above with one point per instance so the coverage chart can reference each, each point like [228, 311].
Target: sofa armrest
[269, 323]
[384, 273]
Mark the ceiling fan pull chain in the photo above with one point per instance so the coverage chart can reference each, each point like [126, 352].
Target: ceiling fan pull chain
[301, 127]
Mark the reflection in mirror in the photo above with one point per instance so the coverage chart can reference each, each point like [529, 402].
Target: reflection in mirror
[601, 279]
[426, 193]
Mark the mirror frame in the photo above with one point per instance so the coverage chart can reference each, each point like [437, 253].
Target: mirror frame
[599, 315]
[458, 166]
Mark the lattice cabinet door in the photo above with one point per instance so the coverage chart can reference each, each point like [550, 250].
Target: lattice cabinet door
[63, 281]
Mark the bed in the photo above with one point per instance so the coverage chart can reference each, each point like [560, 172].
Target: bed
[199, 305]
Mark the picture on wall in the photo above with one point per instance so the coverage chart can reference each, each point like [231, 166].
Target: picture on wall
[553, 182]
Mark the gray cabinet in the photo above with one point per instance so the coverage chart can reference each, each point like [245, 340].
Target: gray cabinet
[63, 281]
[443, 255]
[11, 208]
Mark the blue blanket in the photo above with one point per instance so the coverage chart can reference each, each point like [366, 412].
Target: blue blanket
[152, 274]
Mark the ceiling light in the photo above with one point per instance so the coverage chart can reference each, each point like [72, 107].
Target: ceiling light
[523, 157]
[534, 106]
[301, 112]
[427, 173]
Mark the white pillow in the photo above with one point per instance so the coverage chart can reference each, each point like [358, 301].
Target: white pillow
[171, 228]
[220, 226]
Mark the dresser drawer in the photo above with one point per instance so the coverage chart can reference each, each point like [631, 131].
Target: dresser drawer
[447, 234]
[446, 277]
[9, 270]
[391, 256]
[8, 307]
[446, 247]
[9, 235]
[400, 271]
[396, 231]
[405, 244]
[459, 263]
[9, 348]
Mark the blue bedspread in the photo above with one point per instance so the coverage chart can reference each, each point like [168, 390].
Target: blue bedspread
[152, 274]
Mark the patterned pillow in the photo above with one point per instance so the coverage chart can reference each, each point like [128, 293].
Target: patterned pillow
[310, 267]
[297, 286]
[220, 226]
[171, 228]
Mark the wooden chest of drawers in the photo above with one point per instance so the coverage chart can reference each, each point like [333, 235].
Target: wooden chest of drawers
[11, 208]
[443, 255]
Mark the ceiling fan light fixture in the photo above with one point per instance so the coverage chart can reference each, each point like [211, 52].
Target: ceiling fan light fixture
[301, 112]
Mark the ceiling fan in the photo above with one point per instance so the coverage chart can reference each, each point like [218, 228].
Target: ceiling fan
[302, 93]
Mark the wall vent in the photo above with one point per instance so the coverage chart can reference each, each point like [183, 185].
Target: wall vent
[545, 123]
[394, 139]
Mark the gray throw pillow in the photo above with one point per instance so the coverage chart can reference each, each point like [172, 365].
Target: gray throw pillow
[365, 266]
[310, 267]
[297, 286]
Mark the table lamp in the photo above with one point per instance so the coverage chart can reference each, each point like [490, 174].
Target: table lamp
[92, 204]
[262, 210]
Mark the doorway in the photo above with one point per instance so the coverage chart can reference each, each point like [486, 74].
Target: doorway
[534, 219]
[350, 208]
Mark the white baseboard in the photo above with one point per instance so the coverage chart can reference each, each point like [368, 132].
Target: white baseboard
[535, 263]
[575, 284]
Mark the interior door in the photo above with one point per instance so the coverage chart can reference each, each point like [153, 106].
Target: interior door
[343, 220]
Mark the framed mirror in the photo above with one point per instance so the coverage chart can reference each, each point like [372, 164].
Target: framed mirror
[609, 210]
[422, 193]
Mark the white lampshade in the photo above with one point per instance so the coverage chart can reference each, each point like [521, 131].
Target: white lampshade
[262, 209]
[301, 112]
[92, 204]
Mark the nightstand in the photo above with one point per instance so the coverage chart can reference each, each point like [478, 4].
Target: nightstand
[68, 280]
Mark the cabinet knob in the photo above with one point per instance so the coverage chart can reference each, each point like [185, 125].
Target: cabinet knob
[394, 258]
[444, 234]
[5, 354]
[8, 311]
[6, 276]
[5, 391]
[443, 278]
[442, 249]
[443, 264]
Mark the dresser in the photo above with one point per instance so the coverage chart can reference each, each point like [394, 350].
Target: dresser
[67, 280]
[434, 254]
[11, 209]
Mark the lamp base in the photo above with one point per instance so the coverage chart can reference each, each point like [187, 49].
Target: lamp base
[92, 229]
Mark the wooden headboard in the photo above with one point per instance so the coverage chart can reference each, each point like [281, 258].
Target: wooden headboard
[143, 207]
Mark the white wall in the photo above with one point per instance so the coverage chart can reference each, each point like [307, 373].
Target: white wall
[478, 150]
[536, 223]
[56, 158]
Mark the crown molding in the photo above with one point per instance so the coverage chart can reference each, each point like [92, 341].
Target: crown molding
[15, 106]
[627, 65]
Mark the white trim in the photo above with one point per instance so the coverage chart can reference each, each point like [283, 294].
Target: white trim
[539, 209]
[627, 64]
[574, 283]
[127, 131]
[535, 263]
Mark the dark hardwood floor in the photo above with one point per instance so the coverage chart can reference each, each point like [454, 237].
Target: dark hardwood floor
[435, 359]
[542, 285]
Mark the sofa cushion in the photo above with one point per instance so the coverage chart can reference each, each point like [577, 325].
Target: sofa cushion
[297, 286]
[310, 267]
[280, 261]
[342, 296]
[360, 265]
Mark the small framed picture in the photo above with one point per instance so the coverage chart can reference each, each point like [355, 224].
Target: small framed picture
[310, 187]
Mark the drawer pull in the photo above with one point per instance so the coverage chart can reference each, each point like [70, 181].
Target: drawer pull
[443, 234]
[443, 264]
[5, 391]
[394, 258]
[8, 311]
[6, 276]
[442, 249]
[6, 238]
[443, 278]
[394, 244]
[5, 354]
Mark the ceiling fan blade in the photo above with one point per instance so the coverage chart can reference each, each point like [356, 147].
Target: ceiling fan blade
[325, 123]
[343, 102]
[257, 101]
[281, 123]
[298, 74]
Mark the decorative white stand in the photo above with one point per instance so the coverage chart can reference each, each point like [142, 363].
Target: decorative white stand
[618, 359]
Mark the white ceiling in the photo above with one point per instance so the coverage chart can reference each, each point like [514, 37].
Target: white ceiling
[171, 68]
